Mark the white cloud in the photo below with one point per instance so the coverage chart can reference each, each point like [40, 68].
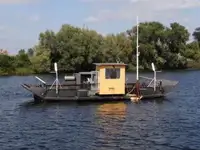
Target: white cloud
[145, 9]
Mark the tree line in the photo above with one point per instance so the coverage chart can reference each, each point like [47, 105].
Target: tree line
[76, 49]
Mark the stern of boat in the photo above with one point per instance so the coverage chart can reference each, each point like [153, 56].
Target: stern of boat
[168, 85]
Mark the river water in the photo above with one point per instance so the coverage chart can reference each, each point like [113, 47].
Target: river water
[172, 123]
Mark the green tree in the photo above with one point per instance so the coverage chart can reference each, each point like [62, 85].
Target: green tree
[76, 49]
[79, 48]
[30, 52]
[196, 34]
[48, 41]
[41, 60]
[22, 59]
[6, 64]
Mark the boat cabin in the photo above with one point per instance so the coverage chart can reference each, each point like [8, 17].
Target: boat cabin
[111, 78]
[107, 79]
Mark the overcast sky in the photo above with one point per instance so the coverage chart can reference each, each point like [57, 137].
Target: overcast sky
[23, 20]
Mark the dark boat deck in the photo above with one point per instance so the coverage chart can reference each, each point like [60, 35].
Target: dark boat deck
[92, 98]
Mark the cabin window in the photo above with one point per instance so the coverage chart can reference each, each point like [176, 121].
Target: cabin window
[112, 73]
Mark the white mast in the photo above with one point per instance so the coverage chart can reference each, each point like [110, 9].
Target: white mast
[137, 53]
[56, 70]
[154, 79]
[56, 80]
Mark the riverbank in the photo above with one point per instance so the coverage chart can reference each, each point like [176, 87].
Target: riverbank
[17, 71]
[28, 71]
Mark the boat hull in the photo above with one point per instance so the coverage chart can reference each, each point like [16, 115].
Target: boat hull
[76, 93]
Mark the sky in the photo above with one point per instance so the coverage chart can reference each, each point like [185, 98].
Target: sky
[23, 20]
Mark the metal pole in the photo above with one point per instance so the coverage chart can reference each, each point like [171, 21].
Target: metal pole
[137, 62]
[56, 70]
[56, 82]
[154, 80]
[137, 54]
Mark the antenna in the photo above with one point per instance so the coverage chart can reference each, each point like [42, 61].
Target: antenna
[155, 74]
[154, 70]
[56, 80]
[55, 67]
[137, 62]
[137, 53]
[153, 67]
[56, 70]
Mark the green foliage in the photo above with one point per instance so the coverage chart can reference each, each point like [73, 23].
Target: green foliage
[23, 71]
[22, 60]
[196, 34]
[41, 60]
[30, 52]
[76, 49]
[161, 45]
[6, 64]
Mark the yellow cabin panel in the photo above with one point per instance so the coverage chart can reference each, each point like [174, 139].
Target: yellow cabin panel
[114, 86]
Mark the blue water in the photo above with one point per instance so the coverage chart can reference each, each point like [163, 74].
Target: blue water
[172, 123]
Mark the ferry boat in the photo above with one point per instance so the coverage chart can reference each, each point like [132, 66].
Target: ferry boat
[106, 82]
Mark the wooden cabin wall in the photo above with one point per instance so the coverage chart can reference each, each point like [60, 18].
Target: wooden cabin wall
[111, 86]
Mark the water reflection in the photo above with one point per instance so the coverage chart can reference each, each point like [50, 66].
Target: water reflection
[109, 121]
[112, 110]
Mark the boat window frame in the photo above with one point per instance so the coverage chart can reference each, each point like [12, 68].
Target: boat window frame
[115, 70]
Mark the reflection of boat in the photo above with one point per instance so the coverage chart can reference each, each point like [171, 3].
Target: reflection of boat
[107, 82]
[114, 110]
[109, 119]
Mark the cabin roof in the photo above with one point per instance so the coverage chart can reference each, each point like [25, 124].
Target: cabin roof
[110, 64]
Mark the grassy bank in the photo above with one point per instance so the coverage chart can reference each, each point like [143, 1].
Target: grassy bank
[17, 71]
[194, 65]
[28, 71]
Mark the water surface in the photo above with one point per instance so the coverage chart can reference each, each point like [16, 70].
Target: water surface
[166, 124]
